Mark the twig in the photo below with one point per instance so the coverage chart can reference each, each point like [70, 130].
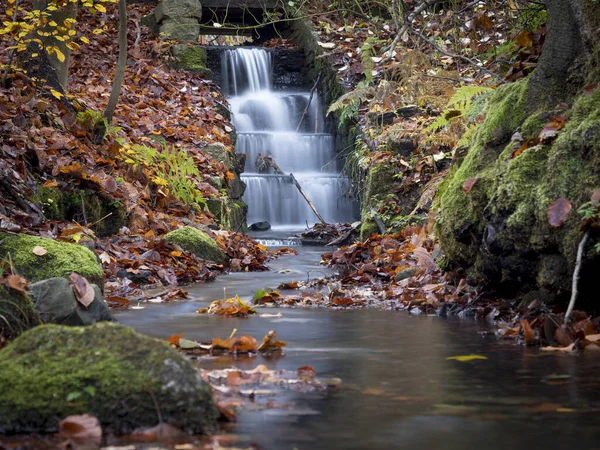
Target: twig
[158, 413]
[85, 222]
[99, 220]
[312, 92]
[453, 55]
[576, 276]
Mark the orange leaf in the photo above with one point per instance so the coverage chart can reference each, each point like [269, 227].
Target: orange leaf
[16, 282]
[81, 428]
[174, 339]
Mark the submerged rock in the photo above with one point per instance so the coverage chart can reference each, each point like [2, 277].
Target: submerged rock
[107, 370]
[196, 241]
[56, 303]
[61, 259]
[16, 313]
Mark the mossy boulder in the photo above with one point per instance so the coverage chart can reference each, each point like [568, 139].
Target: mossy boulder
[173, 9]
[229, 214]
[196, 241]
[191, 58]
[107, 370]
[183, 29]
[499, 231]
[16, 313]
[61, 260]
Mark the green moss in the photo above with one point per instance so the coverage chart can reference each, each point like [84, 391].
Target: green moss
[106, 370]
[500, 230]
[16, 313]
[61, 260]
[398, 223]
[191, 58]
[367, 229]
[69, 204]
[380, 180]
[197, 242]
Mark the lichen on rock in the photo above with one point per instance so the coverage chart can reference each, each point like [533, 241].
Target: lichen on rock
[197, 242]
[61, 259]
[106, 370]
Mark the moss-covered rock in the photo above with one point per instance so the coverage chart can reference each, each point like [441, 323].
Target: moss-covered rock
[367, 229]
[183, 29]
[191, 58]
[106, 370]
[197, 242]
[16, 313]
[499, 230]
[61, 260]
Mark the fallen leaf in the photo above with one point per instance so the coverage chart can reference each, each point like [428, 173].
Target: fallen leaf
[81, 428]
[83, 290]
[464, 358]
[16, 282]
[174, 339]
[39, 251]
[558, 211]
[569, 349]
[528, 334]
[469, 184]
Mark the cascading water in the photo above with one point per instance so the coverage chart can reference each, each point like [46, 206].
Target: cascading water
[266, 121]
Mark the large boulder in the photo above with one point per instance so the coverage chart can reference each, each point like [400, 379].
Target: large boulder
[183, 29]
[61, 259]
[16, 313]
[55, 302]
[499, 230]
[107, 370]
[196, 241]
[175, 9]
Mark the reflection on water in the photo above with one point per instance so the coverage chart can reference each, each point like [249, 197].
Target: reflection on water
[399, 389]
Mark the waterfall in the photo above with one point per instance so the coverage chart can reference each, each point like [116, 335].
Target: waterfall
[266, 121]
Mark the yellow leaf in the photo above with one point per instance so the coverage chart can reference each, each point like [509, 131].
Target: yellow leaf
[53, 23]
[100, 8]
[73, 45]
[56, 94]
[98, 31]
[59, 55]
[84, 39]
[464, 358]
[130, 161]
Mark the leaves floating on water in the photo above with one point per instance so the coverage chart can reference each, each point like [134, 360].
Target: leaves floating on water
[465, 358]
[232, 307]
[270, 345]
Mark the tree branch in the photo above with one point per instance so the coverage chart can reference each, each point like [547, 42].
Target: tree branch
[576, 276]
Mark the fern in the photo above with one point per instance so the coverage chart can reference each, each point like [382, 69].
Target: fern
[466, 104]
[367, 51]
[361, 93]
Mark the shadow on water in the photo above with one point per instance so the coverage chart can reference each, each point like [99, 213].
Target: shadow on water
[399, 389]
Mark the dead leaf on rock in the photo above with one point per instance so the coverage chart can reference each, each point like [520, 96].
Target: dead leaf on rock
[84, 292]
[16, 282]
[558, 211]
[39, 251]
[81, 428]
[469, 184]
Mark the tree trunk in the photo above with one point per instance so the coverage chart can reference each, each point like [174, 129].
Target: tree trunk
[121, 63]
[38, 67]
[572, 27]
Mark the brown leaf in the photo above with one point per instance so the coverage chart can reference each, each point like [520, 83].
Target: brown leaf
[84, 292]
[550, 130]
[528, 143]
[16, 282]
[39, 251]
[81, 428]
[469, 184]
[596, 198]
[558, 211]
[174, 339]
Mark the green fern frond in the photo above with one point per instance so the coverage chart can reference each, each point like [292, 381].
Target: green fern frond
[463, 96]
[465, 140]
[362, 93]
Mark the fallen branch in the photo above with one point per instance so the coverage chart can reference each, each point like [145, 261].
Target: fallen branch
[264, 162]
[312, 92]
[580, 250]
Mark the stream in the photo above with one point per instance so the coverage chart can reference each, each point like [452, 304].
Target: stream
[398, 388]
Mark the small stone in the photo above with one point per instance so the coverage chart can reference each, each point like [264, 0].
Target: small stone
[260, 226]
[406, 273]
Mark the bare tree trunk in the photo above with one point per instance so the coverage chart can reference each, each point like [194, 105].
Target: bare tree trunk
[560, 73]
[121, 63]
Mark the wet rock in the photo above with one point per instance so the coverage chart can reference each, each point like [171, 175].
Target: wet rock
[260, 226]
[141, 277]
[406, 273]
[55, 302]
[106, 370]
[197, 242]
[61, 259]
